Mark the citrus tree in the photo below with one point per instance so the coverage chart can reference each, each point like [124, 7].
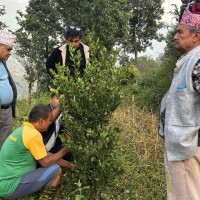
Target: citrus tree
[90, 101]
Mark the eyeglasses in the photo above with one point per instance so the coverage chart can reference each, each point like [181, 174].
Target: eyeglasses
[74, 41]
[75, 28]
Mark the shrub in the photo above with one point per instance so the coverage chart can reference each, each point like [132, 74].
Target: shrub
[128, 74]
[151, 87]
[88, 106]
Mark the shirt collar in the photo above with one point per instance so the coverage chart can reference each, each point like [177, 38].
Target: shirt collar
[29, 124]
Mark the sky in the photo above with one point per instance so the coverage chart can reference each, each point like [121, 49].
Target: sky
[167, 8]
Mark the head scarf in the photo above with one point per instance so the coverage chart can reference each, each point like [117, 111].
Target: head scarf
[7, 38]
[190, 19]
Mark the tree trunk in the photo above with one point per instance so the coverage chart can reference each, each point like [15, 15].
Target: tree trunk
[136, 57]
[29, 93]
[47, 49]
[37, 86]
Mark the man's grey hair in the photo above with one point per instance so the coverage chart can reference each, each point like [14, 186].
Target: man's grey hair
[192, 29]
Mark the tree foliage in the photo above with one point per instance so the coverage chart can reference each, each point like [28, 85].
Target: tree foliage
[30, 74]
[152, 87]
[37, 35]
[107, 18]
[176, 13]
[2, 12]
[128, 74]
[143, 25]
[145, 64]
[133, 23]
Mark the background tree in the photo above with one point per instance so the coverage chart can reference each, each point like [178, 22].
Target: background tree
[30, 73]
[2, 12]
[143, 25]
[107, 18]
[176, 13]
[152, 87]
[145, 64]
[39, 32]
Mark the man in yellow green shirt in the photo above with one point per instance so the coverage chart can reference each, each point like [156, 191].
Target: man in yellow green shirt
[21, 152]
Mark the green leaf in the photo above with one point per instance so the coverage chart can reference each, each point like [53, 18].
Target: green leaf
[79, 197]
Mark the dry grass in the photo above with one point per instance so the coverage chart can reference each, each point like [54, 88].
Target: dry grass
[142, 152]
[140, 127]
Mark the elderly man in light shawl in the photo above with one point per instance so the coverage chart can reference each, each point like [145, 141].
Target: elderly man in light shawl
[180, 114]
[8, 91]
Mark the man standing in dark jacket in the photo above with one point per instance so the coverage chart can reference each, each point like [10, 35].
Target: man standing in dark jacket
[62, 55]
[8, 91]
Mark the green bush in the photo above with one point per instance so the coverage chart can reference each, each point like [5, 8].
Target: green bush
[128, 74]
[151, 87]
[23, 108]
[87, 109]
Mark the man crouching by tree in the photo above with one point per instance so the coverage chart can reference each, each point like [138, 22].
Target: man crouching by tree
[21, 152]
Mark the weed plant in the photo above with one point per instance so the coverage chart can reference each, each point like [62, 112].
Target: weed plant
[141, 152]
[23, 108]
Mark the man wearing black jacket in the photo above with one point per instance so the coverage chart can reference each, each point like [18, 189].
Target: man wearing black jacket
[61, 55]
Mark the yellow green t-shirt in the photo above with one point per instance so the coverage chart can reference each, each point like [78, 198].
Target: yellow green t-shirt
[18, 156]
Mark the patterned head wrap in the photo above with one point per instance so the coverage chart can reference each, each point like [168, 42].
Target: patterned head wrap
[7, 38]
[190, 19]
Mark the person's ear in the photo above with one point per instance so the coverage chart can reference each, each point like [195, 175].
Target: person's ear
[40, 121]
[196, 37]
